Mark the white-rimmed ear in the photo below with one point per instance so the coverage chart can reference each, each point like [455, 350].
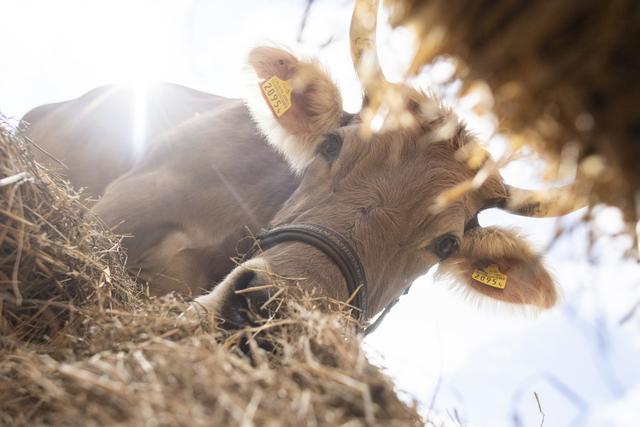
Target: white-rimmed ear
[498, 263]
[293, 102]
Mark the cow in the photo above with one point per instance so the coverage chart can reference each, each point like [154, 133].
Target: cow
[365, 212]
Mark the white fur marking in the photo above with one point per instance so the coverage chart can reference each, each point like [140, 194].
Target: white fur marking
[295, 151]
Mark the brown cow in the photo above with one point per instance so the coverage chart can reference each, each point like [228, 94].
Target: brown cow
[292, 158]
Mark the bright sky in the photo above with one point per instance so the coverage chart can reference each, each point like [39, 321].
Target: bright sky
[461, 359]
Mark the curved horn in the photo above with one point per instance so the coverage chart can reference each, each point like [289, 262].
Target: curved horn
[362, 36]
[542, 203]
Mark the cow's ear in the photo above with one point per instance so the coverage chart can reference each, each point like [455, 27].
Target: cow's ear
[498, 263]
[293, 102]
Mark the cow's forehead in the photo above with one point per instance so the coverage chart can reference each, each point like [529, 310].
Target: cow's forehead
[412, 170]
[404, 149]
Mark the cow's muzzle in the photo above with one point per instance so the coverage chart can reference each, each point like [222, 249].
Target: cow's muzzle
[241, 300]
[246, 303]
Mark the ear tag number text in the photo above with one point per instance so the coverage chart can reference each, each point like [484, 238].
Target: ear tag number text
[277, 92]
[490, 276]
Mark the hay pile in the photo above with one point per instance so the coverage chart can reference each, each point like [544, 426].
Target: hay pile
[564, 77]
[82, 344]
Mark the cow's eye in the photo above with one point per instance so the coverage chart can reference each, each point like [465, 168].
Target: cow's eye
[445, 246]
[331, 146]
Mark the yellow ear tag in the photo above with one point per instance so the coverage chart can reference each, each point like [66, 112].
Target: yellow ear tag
[277, 92]
[491, 276]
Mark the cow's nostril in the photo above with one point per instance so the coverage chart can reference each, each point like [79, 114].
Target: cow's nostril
[245, 280]
[248, 297]
[245, 300]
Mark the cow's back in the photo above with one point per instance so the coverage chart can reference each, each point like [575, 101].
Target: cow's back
[197, 192]
[100, 135]
[204, 179]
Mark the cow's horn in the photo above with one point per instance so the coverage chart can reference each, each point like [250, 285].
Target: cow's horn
[542, 203]
[362, 35]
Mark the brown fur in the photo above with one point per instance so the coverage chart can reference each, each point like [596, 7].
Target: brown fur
[92, 135]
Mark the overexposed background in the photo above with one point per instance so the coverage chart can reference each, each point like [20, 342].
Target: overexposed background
[459, 359]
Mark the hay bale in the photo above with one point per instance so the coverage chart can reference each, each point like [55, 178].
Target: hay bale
[57, 264]
[563, 76]
[81, 345]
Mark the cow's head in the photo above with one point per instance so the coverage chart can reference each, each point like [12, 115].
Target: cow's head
[383, 192]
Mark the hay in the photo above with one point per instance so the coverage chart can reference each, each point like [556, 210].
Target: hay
[564, 77]
[81, 343]
[56, 263]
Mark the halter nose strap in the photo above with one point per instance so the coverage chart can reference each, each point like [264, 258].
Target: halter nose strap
[340, 252]
[329, 242]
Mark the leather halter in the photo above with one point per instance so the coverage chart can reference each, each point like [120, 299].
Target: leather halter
[330, 243]
[340, 252]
